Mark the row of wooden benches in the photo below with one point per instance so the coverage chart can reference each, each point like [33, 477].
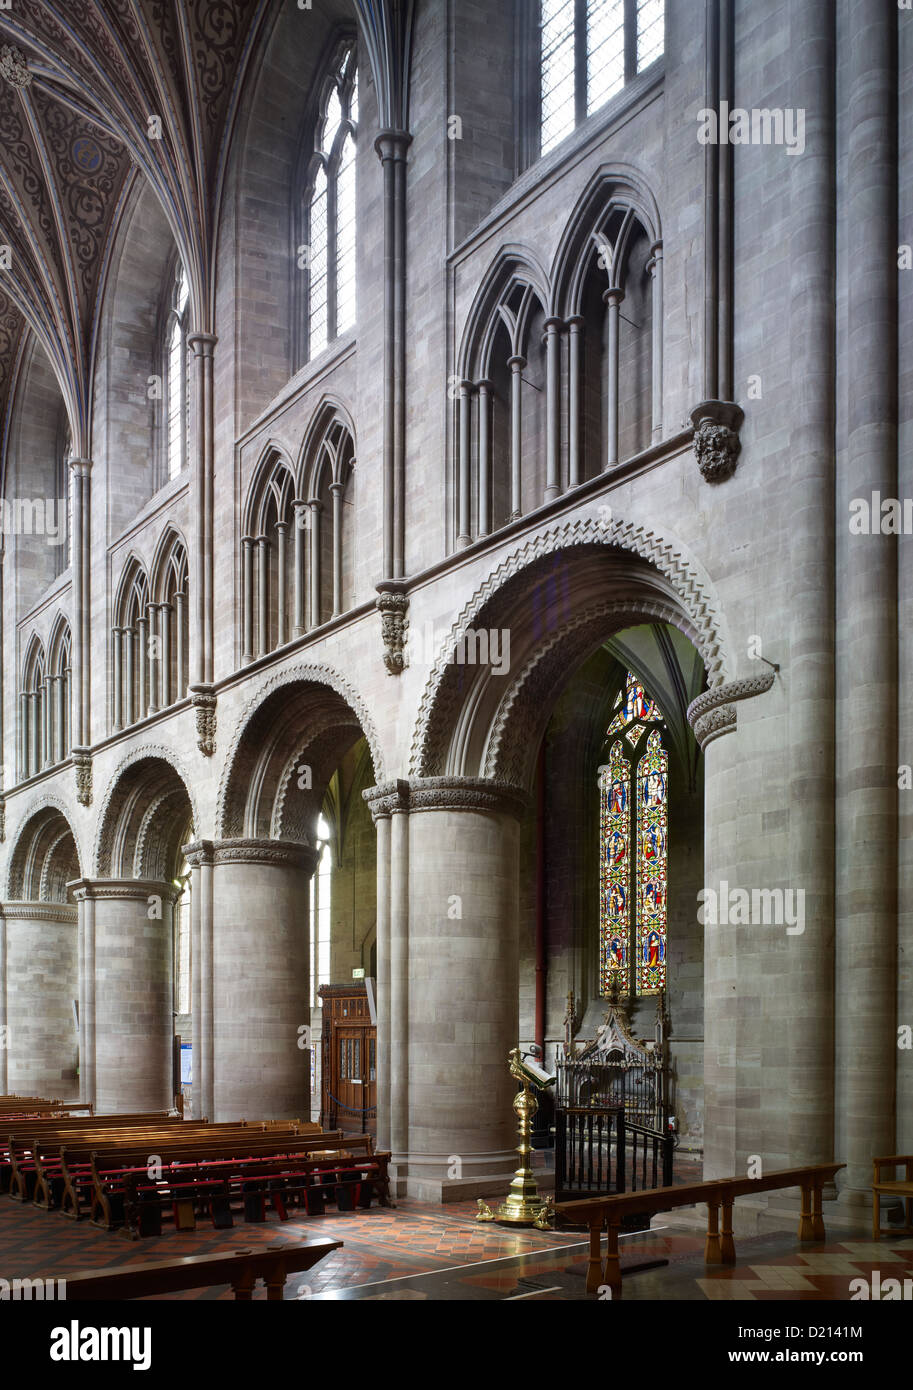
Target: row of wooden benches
[129, 1171]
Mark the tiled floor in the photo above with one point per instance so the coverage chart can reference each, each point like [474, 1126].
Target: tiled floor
[431, 1253]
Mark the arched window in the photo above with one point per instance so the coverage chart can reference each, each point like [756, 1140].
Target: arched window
[134, 686]
[176, 385]
[328, 231]
[59, 731]
[33, 712]
[633, 834]
[298, 552]
[170, 619]
[588, 50]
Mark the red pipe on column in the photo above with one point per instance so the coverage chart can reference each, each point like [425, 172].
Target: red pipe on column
[541, 958]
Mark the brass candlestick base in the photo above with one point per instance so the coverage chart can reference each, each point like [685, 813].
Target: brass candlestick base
[523, 1206]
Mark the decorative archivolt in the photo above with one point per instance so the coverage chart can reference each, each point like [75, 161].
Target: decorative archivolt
[242, 770]
[46, 812]
[694, 609]
[120, 796]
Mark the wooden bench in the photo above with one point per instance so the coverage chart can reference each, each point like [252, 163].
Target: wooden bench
[894, 1187]
[239, 1268]
[216, 1172]
[719, 1248]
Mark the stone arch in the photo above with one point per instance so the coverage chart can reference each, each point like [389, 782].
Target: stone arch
[145, 815]
[615, 186]
[45, 854]
[605, 575]
[321, 716]
[512, 265]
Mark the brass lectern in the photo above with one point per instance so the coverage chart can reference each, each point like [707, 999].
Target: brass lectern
[523, 1206]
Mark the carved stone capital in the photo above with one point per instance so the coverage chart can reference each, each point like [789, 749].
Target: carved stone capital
[203, 700]
[386, 798]
[716, 438]
[82, 766]
[714, 712]
[291, 854]
[446, 794]
[13, 66]
[138, 890]
[198, 852]
[393, 606]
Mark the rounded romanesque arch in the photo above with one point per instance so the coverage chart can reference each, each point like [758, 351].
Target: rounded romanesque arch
[557, 598]
[45, 855]
[306, 718]
[148, 814]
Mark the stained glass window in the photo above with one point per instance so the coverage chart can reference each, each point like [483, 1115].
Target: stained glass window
[615, 870]
[652, 826]
[633, 830]
[588, 50]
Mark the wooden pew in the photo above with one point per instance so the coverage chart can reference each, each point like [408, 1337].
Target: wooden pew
[893, 1187]
[608, 1212]
[239, 1268]
[224, 1170]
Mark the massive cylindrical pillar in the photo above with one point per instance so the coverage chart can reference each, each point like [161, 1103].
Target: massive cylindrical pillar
[260, 1003]
[866, 850]
[809, 975]
[130, 990]
[463, 964]
[41, 988]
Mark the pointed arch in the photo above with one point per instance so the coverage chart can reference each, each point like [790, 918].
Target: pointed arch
[34, 707]
[326, 472]
[132, 655]
[268, 544]
[170, 614]
[507, 395]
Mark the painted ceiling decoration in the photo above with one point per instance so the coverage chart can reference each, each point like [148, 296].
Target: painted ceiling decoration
[92, 95]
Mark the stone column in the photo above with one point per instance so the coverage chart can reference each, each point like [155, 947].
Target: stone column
[260, 974]
[247, 600]
[382, 801]
[575, 326]
[281, 582]
[262, 595]
[455, 936]
[613, 298]
[336, 490]
[391, 146]
[203, 347]
[655, 267]
[484, 415]
[464, 480]
[80, 469]
[132, 980]
[199, 857]
[809, 977]
[117, 653]
[553, 330]
[516, 365]
[300, 510]
[867, 786]
[41, 986]
[314, 534]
